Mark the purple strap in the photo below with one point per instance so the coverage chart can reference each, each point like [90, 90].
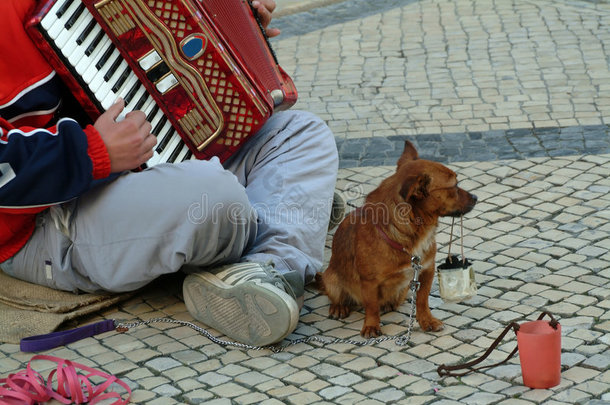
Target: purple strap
[61, 338]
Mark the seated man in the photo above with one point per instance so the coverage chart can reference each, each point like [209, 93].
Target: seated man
[250, 232]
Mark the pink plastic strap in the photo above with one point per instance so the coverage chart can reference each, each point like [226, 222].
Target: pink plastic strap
[28, 386]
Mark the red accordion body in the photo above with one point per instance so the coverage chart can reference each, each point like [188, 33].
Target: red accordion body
[205, 64]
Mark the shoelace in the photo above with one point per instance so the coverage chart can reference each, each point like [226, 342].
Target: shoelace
[28, 386]
[279, 280]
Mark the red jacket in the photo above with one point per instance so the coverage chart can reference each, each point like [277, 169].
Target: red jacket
[43, 160]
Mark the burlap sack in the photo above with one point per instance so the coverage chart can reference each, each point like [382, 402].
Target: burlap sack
[28, 309]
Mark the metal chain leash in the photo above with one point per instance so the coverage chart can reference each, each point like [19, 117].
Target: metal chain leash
[401, 339]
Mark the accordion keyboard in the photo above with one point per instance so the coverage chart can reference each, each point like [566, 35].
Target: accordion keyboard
[89, 51]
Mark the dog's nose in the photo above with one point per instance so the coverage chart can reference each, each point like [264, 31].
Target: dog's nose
[474, 197]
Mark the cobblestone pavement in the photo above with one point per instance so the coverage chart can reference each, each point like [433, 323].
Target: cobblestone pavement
[510, 94]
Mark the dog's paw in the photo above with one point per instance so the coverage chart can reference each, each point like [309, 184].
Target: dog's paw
[337, 311]
[430, 324]
[370, 331]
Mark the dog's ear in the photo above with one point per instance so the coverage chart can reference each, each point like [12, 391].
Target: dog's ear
[408, 153]
[415, 187]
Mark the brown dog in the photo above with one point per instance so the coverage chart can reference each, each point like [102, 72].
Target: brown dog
[370, 265]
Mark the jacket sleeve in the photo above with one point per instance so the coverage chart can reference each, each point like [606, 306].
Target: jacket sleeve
[41, 167]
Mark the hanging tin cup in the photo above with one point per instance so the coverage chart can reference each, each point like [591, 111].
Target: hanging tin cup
[456, 280]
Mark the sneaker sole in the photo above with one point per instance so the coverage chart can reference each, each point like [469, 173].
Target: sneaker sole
[250, 313]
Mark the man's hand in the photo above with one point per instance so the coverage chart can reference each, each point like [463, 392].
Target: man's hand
[129, 142]
[264, 9]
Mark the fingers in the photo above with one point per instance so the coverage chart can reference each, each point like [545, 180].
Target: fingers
[137, 117]
[265, 8]
[267, 4]
[115, 109]
[272, 32]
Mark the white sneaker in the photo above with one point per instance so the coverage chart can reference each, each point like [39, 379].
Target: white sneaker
[248, 302]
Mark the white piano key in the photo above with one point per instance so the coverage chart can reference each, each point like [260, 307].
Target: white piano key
[66, 41]
[91, 72]
[171, 145]
[130, 82]
[50, 18]
[140, 93]
[112, 96]
[183, 152]
[100, 86]
[69, 39]
[58, 26]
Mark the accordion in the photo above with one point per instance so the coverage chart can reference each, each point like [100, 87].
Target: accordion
[202, 71]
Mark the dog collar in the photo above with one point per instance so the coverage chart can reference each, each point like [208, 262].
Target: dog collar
[390, 241]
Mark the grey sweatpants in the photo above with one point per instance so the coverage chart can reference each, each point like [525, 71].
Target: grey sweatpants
[270, 202]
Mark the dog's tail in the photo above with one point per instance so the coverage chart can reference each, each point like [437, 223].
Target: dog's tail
[318, 283]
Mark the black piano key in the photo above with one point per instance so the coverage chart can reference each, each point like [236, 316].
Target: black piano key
[96, 41]
[132, 92]
[172, 158]
[83, 35]
[157, 72]
[104, 58]
[159, 125]
[62, 9]
[164, 138]
[188, 155]
[117, 85]
[141, 101]
[152, 114]
[112, 70]
[77, 13]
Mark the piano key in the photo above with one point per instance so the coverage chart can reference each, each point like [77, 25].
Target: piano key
[64, 7]
[151, 114]
[114, 67]
[158, 126]
[134, 88]
[122, 78]
[99, 37]
[65, 41]
[49, 19]
[78, 59]
[179, 153]
[170, 144]
[105, 56]
[164, 136]
[58, 26]
[98, 79]
[104, 91]
[79, 27]
[86, 31]
[86, 62]
[75, 16]
[149, 106]
[189, 155]
[131, 83]
[111, 96]
[141, 98]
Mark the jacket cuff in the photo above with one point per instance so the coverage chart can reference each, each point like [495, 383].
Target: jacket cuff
[98, 153]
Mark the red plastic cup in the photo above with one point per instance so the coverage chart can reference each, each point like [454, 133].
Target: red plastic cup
[540, 353]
